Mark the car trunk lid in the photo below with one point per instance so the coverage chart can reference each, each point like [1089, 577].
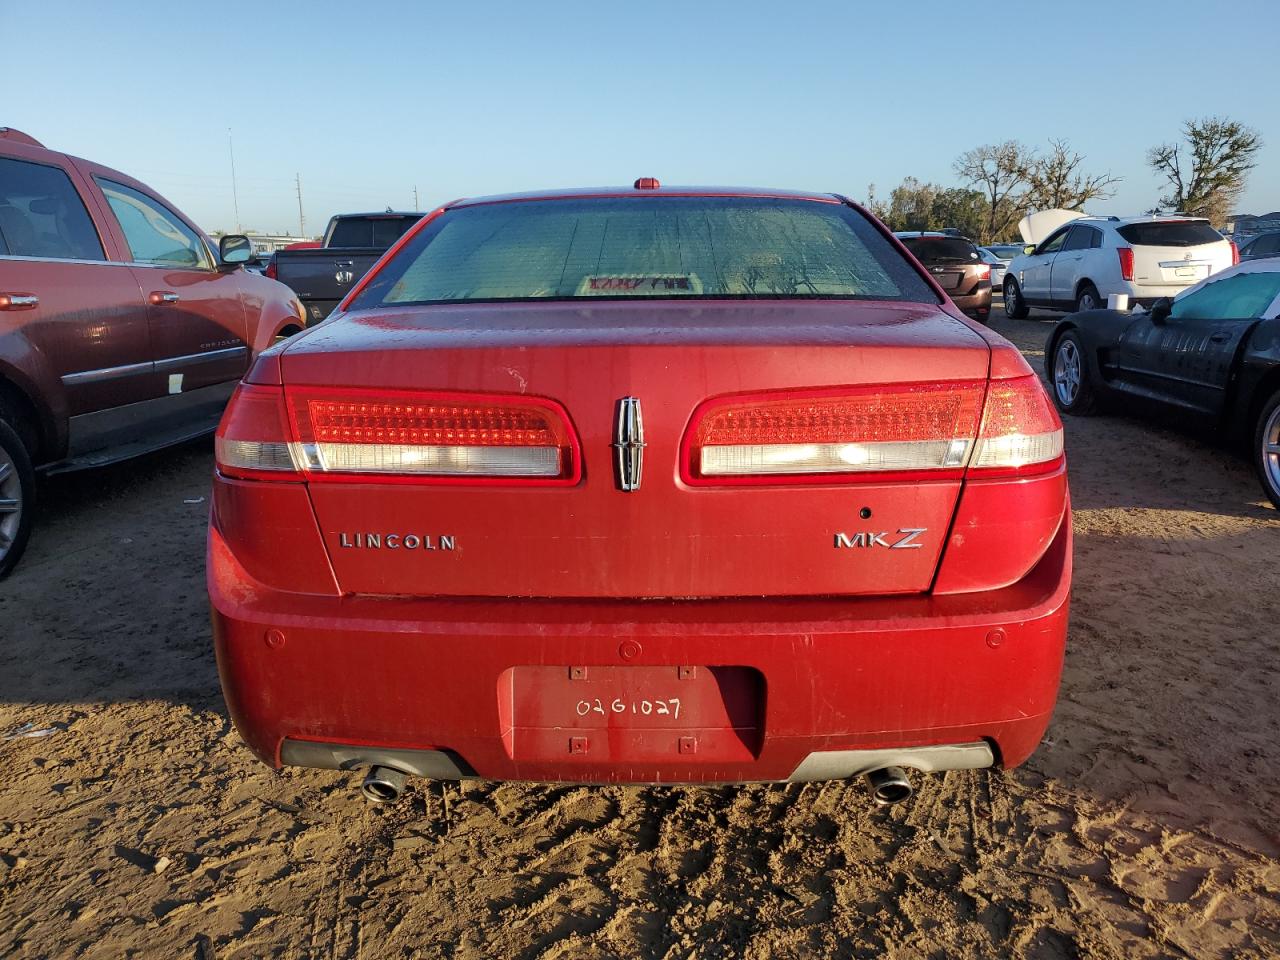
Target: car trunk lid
[670, 537]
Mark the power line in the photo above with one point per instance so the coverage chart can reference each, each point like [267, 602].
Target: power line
[302, 222]
[235, 200]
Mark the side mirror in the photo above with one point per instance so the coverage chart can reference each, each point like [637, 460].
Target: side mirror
[1160, 311]
[1029, 249]
[235, 249]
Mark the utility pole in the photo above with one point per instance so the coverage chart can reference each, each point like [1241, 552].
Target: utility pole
[416, 208]
[235, 199]
[302, 221]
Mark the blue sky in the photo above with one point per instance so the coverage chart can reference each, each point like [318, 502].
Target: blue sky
[367, 100]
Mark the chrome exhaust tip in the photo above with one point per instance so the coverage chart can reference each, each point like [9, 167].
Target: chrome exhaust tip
[889, 785]
[382, 785]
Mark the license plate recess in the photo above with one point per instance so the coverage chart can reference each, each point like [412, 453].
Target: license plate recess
[634, 713]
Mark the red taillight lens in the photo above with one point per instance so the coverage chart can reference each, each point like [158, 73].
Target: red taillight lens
[270, 272]
[432, 435]
[1126, 262]
[252, 441]
[900, 428]
[984, 273]
[1235, 252]
[1020, 433]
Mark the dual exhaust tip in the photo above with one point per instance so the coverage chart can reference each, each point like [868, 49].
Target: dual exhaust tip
[382, 785]
[888, 785]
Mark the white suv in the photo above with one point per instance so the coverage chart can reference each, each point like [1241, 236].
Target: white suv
[1081, 263]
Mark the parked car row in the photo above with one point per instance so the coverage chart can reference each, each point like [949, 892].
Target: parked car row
[123, 329]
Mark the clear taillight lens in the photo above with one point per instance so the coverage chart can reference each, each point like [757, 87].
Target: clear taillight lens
[903, 428]
[252, 441]
[424, 435]
[1020, 433]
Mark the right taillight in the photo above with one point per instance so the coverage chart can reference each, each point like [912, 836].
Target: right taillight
[396, 436]
[1126, 262]
[252, 442]
[1020, 432]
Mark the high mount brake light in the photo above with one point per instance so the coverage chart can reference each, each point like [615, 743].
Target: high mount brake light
[861, 430]
[424, 435]
[866, 433]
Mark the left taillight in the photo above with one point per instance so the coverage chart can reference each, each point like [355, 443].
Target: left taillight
[271, 272]
[425, 436]
[1020, 433]
[252, 441]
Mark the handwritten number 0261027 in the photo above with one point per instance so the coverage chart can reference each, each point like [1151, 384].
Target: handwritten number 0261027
[644, 708]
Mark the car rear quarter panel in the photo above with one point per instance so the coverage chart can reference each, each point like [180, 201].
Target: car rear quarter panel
[1259, 377]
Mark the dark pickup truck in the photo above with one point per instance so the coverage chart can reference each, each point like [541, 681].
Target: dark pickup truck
[353, 242]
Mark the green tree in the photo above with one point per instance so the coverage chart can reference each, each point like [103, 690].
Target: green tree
[1208, 177]
[961, 208]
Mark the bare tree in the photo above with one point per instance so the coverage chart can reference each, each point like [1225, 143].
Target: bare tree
[1000, 172]
[1055, 182]
[1207, 180]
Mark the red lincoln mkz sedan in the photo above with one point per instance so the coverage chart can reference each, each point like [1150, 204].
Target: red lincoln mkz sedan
[642, 485]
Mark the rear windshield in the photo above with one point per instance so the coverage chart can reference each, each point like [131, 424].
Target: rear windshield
[1170, 233]
[647, 247]
[942, 249]
[376, 232]
[1007, 250]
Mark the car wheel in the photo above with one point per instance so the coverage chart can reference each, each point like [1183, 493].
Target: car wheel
[1014, 306]
[1089, 298]
[1069, 377]
[17, 497]
[1266, 446]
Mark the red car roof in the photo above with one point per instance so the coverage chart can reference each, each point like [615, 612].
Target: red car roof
[628, 191]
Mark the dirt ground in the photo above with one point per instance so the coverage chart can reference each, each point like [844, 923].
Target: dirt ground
[1145, 826]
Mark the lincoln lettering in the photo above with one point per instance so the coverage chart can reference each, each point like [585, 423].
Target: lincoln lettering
[397, 541]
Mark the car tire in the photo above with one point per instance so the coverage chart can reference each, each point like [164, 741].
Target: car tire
[1089, 299]
[1069, 377]
[1015, 307]
[17, 496]
[1266, 448]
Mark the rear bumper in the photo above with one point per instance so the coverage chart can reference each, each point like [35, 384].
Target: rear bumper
[364, 675]
[978, 301]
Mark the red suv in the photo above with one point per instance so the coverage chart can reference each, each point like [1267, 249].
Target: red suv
[656, 485]
[121, 329]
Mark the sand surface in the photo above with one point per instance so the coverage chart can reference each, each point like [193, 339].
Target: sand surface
[1147, 824]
